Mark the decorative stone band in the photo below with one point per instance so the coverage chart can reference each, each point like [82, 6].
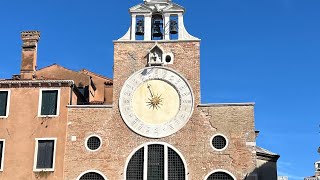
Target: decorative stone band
[90, 106]
[35, 83]
[226, 104]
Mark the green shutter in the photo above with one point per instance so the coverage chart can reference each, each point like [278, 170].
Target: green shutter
[45, 154]
[49, 102]
[3, 103]
[1, 149]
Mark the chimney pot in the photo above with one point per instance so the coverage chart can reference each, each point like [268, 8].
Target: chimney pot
[29, 54]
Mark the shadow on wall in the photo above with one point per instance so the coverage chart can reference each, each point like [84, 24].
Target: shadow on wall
[266, 170]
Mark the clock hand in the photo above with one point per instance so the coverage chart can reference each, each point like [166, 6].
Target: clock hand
[149, 87]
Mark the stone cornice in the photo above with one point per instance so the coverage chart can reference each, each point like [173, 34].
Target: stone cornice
[89, 106]
[35, 83]
[153, 41]
[226, 104]
[267, 157]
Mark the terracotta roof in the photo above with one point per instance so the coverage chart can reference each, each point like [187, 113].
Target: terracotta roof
[55, 64]
[83, 70]
[46, 78]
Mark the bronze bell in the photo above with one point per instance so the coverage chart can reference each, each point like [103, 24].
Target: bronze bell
[173, 27]
[140, 28]
[157, 29]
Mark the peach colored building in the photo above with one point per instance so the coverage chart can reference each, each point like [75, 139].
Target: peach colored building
[34, 113]
[147, 123]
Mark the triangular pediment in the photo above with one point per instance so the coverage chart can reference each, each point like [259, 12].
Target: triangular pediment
[174, 8]
[157, 1]
[156, 47]
[140, 8]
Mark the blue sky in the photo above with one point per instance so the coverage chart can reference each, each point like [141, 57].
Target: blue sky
[267, 52]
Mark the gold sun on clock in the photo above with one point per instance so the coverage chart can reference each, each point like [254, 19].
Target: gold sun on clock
[156, 102]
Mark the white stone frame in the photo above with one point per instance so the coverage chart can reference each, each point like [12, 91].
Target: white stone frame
[227, 142]
[93, 171]
[8, 103]
[40, 101]
[164, 55]
[220, 170]
[145, 167]
[36, 155]
[86, 141]
[2, 153]
[129, 121]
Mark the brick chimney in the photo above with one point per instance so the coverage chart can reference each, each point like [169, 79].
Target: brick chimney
[29, 54]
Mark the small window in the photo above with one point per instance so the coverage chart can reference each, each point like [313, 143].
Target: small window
[49, 102]
[1, 154]
[220, 176]
[93, 143]
[45, 154]
[168, 59]
[4, 103]
[219, 142]
[92, 176]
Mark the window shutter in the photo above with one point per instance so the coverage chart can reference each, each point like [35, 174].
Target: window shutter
[49, 154]
[1, 149]
[3, 103]
[45, 154]
[41, 155]
[49, 102]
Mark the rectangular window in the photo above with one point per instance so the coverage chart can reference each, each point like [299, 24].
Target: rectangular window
[1, 154]
[49, 103]
[4, 103]
[45, 154]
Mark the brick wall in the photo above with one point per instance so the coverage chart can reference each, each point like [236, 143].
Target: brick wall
[193, 141]
[236, 122]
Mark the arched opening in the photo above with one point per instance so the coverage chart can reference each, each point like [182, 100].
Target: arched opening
[91, 175]
[156, 162]
[220, 175]
[140, 28]
[157, 27]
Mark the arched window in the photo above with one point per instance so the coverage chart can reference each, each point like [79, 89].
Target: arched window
[92, 176]
[156, 162]
[220, 176]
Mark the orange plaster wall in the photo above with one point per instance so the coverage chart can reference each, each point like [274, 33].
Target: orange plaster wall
[22, 127]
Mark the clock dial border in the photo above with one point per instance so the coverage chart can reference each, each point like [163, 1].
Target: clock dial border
[177, 81]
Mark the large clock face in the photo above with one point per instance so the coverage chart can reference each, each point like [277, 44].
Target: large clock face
[156, 102]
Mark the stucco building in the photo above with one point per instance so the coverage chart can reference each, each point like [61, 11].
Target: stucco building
[147, 122]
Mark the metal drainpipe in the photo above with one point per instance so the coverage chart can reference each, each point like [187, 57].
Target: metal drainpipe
[71, 91]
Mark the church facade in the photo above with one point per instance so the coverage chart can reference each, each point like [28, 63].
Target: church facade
[147, 123]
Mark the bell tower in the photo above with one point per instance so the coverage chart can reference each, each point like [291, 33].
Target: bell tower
[157, 37]
[157, 20]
